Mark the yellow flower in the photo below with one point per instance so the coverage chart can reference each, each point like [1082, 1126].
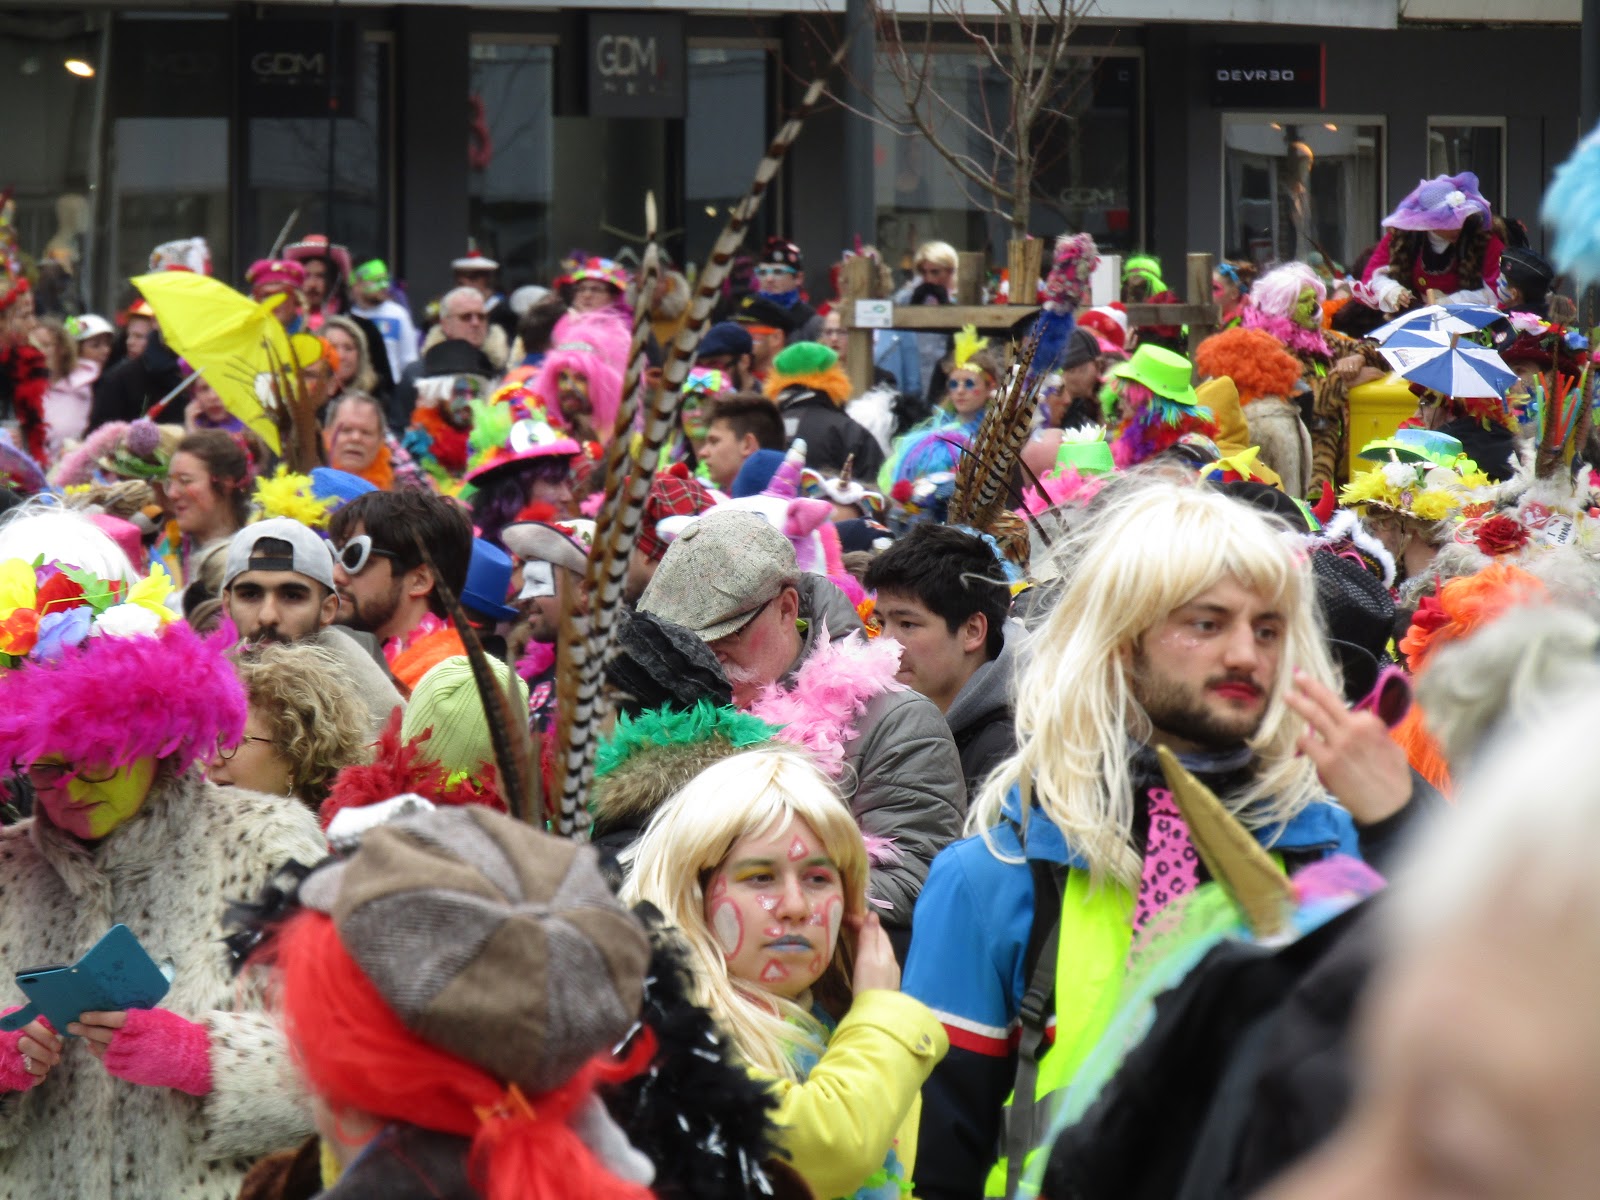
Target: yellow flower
[285, 494]
[151, 593]
[1433, 506]
[18, 585]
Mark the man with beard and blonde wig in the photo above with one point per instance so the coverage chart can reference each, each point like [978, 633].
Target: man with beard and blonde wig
[1184, 619]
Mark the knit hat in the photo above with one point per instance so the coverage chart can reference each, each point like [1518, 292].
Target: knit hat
[1445, 202]
[662, 665]
[494, 941]
[1081, 348]
[782, 252]
[671, 495]
[1358, 613]
[446, 701]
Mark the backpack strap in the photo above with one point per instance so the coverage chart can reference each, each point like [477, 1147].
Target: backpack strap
[1024, 1121]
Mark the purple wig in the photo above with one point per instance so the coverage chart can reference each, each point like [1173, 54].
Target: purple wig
[115, 700]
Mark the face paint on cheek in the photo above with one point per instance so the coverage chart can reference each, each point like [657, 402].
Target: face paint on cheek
[774, 972]
[768, 903]
[728, 925]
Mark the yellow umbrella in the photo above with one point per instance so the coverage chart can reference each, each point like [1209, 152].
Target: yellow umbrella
[228, 336]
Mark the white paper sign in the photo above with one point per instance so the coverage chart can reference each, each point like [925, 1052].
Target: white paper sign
[874, 314]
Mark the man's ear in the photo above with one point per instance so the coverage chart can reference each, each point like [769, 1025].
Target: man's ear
[748, 445]
[418, 581]
[329, 611]
[974, 633]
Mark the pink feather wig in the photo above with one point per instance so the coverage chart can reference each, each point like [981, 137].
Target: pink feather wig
[1271, 307]
[171, 696]
[605, 388]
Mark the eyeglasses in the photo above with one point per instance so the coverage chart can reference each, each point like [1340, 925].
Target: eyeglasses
[769, 272]
[226, 753]
[358, 551]
[46, 775]
[732, 639]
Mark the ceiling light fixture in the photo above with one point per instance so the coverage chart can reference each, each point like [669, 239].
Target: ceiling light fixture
[79, 68]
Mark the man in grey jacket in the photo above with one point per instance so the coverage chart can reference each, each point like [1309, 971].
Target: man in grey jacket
[732, 579]
[943, 595]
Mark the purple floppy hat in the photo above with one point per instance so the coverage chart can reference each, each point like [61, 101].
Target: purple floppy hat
[1440, 204]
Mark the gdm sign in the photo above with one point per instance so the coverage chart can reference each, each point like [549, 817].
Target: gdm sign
[636, 65]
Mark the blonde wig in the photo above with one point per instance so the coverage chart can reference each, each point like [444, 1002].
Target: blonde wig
[1151, 546]
[753, 794]
[366, 377]
[314, 717]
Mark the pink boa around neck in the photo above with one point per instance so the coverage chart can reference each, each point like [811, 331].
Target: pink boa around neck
[830, 692]
[115, 700]
[536, 660]
[1297, 339]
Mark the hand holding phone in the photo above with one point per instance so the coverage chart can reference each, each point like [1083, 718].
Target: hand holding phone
[115, 975]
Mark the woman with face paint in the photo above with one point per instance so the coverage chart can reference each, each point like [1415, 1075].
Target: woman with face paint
[764, 872]
[108, 707]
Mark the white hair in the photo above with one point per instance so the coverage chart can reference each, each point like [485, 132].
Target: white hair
[1151, 546]
[447, 305]
[937, 254]
[35, 531]
[1526, 825]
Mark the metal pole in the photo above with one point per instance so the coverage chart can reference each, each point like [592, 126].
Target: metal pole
[860, 211]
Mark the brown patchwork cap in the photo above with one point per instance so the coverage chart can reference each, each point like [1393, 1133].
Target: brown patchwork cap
[719, 572]
[490, 939]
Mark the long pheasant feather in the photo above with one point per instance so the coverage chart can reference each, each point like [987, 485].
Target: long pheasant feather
[618, 524]
[984, 477]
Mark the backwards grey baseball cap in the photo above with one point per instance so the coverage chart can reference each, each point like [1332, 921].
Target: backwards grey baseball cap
[279, 544]
[719, 572]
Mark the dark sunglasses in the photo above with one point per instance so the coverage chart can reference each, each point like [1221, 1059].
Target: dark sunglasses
[355, 554]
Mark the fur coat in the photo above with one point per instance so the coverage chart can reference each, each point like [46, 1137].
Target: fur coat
[1276, 427]
[168, 874]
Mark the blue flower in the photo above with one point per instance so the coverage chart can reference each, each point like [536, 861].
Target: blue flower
[58, 630]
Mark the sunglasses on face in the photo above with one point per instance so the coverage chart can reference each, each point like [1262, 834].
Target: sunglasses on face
[963, 385]
[358, 552]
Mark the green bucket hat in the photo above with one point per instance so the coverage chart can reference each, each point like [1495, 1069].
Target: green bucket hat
[1166, 374]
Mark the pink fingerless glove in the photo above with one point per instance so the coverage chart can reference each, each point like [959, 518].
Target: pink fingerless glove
[158, 1048]
[14, 1074]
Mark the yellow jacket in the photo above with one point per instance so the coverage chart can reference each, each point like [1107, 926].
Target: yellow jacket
[864, 1095]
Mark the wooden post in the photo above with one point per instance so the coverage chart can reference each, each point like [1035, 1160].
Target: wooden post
[1200, 268]
[1023, 259]
[972, 270]
[858, 281]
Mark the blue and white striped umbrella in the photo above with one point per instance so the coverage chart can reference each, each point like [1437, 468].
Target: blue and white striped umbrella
[1436, 318]
[1452, 370]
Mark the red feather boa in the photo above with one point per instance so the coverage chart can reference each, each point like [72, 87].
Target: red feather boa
[24, 370]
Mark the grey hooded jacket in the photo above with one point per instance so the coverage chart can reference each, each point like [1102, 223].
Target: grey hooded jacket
[981, 718]
[902, 763]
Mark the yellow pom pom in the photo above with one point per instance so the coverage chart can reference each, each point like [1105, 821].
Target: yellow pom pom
[286, 494]
[968, 343]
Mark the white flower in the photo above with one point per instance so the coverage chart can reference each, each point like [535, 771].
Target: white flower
[1456, 199]
[127, 621]
[1399, 475]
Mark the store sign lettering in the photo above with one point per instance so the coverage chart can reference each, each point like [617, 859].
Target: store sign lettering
[1283, 75]
[627, 56]
[290, 64]
[1263, 76]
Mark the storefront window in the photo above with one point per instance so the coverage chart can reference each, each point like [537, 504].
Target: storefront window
[510, 152]
[1086, 175]
[310, 173]
[48, 158]
[167, 153]
[1455, 146]
[724, 137]
[1307, 188]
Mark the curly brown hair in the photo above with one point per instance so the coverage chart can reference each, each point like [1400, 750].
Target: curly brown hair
[313, 716]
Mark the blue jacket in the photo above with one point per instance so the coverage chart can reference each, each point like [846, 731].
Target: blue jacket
[969, 938]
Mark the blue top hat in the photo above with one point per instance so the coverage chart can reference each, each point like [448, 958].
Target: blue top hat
[488, 582]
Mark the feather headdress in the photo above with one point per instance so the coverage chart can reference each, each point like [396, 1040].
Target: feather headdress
[287, 494]
[984, 478]
[967, 344]
[104, 674]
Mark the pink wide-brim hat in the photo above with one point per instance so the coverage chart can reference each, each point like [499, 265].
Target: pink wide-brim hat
[1440, 204]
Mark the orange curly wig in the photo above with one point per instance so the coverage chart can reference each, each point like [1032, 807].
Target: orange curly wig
[1255, 361]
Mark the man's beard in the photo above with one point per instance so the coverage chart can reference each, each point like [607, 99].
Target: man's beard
[371, 616]
[1174, 708]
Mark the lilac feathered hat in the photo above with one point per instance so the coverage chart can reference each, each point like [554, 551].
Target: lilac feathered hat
[99, 673]
[1440, 204]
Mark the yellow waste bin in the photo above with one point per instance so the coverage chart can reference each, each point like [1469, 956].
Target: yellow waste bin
[1376, 410]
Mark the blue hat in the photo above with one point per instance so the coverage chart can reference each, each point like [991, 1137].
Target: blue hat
[756, 473]
[330, 483]
[726, 337]
[488, 582]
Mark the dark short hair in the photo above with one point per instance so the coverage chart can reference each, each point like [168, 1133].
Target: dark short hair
[952, 574]
[396, 520]
[746, 412]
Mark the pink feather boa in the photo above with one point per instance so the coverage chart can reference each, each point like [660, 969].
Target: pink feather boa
[116, 700]
[1297, 339]
[831, 690]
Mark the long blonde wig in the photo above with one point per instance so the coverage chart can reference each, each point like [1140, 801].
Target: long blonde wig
[1151, 546]
[751, 794]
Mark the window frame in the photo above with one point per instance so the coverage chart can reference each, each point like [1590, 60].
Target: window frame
[1498, 203]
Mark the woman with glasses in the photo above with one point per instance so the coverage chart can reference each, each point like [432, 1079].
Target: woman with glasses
[108, 705]
[305, 723]
[973, 371]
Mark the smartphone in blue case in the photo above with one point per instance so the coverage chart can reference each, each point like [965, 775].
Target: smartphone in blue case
[116, 974]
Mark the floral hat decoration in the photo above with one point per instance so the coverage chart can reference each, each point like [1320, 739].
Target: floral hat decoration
[100, 673]
[1425, 490]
